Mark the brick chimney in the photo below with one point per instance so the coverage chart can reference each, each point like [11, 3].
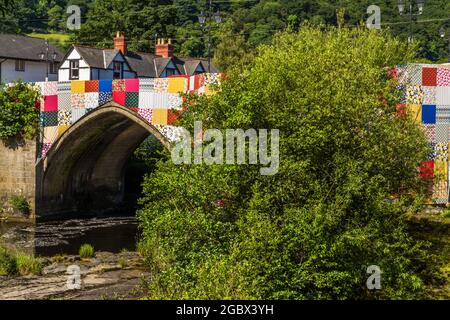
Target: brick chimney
[120, 42]
[164, 49]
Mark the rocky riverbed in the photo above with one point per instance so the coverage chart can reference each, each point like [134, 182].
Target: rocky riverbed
[105, 276]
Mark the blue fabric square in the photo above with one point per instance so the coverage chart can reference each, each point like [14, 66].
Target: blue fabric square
[429, 114]
[104, 97]
[105, 86]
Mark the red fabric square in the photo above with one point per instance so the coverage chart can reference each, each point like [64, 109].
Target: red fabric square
[199, 81]
[91, 86]
[132, 85]
[50, 103]
[427, 169]
[119, 97]
[172, 116]
[134, 109]
[429, 77]
[401, 109]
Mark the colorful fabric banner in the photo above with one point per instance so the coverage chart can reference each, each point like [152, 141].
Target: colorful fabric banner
[157, 101]
[427, 96]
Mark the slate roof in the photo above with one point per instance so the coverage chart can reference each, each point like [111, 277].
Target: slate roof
[142, 63]
[14, 46]
[146, 65]
[96, 57]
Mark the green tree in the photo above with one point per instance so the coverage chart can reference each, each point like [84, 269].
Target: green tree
[5, 5]
[55, 15]
[232, 51]
[311, 230]
[18, 113]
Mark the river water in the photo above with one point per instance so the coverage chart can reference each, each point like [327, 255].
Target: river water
[111, 234]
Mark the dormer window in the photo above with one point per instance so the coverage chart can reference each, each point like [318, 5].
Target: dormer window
[118, 68]
[171, 72]
[199, 69]
[74, 71]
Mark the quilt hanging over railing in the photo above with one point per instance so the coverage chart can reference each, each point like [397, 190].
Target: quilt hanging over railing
[64, 103]
[426, 96]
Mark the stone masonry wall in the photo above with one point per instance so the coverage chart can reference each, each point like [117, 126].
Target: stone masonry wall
[17, 176]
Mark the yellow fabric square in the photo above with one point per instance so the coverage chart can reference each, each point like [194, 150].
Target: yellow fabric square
[415, 110]
[159, 116]
[78, 86]
[441, 170]
[50, 134]
[61, 130]
[177, 85]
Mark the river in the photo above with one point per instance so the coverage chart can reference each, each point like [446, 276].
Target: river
[110, 234]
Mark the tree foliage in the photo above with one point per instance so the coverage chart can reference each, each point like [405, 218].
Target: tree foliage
[18, 113]
[254, 22]
[310, 231]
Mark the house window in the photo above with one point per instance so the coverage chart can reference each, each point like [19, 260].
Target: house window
[199, 69]
[20, 65]
[53, 67]
[117, 70]
[74, 69]
[171, 72]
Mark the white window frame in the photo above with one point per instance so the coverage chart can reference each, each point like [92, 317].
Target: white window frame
[73, 68]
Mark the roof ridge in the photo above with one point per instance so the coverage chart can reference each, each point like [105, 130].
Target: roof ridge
[91, 47]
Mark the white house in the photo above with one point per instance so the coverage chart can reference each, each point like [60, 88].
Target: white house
[20, 59]
[86, 63]
[89, 63]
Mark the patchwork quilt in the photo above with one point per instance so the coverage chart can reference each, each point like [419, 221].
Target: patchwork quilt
[158, 101]
[427, 98]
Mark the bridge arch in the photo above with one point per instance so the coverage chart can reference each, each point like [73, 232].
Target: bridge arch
[84, 169]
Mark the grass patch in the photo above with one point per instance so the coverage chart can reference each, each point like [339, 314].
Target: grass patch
[123, 263]
[57, 259]
[27, 265]
[12, 264]
[58, 39]
[86, 251]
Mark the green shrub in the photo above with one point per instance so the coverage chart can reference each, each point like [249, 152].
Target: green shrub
[311, 230]
[18, 264]
[86, 251]
[27, 265]
[8, 264]
[20, 203]
[446, 213]
[18, 113]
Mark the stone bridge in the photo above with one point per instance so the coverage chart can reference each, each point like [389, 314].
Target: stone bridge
[89, 130]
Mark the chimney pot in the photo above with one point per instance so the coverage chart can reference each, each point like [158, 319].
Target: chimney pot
[164, 49]
[120, 43]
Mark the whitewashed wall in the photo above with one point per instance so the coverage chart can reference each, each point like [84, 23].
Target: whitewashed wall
[84, 71]
[34, 72]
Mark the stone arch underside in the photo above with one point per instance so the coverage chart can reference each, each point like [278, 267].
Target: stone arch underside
[84, 170]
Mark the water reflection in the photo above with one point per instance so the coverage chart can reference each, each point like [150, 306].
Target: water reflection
[110, 234]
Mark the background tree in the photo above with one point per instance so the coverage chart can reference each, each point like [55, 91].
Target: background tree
[55, 17]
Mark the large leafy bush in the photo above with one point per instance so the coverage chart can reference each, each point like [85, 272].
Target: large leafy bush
[18, 113]
[310, 231]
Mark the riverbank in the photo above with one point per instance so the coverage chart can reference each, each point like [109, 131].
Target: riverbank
[105, 276]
